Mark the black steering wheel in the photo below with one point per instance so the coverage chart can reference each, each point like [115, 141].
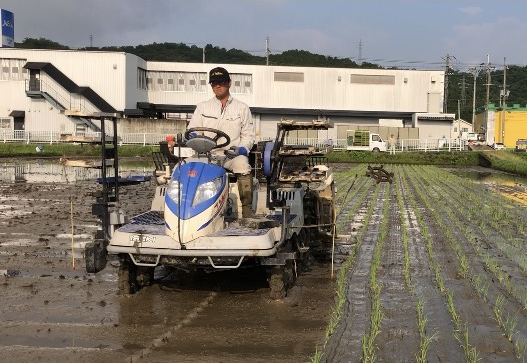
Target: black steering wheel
[218, 134]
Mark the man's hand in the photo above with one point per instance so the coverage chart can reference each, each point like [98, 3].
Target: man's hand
[235, 151]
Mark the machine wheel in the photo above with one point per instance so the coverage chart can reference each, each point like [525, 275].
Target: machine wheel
[127, 281]
[280, 279]
[144, 276]
[132, 278]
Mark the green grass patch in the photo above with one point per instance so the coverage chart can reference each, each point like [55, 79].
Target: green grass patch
[508, 161]
[71, 150]
[424, 158]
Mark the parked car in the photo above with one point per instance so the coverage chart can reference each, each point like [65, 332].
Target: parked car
[498, 146]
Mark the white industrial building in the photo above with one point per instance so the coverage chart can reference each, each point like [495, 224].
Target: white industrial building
[61, 90]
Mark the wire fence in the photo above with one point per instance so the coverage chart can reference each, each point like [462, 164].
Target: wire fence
[148, 139]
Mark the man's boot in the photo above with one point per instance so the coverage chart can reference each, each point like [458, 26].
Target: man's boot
[245, 188]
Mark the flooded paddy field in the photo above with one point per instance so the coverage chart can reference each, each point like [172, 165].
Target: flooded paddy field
[433, 269]
[51, 310]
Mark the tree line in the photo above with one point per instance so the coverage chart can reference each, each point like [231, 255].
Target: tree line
[460, 92]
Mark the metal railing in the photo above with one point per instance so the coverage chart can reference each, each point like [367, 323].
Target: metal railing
[146, 139]
[425, 145]
[70, 101]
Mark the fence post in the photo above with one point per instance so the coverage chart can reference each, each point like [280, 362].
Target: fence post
[28, 135]
[51, 137]
[144, 139]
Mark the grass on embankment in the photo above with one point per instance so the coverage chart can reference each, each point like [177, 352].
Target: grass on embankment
[425, 158]
[71, 150]
[507, 161]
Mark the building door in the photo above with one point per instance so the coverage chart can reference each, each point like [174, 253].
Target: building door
[18, 123]
[18, 119]
[34, 80]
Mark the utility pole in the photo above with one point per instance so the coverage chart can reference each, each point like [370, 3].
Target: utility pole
[447, 70]
[458, 119]
[463, 92]
[267, 51]
[475, 71]
[204, 53]
[360, 51]
[488, 69]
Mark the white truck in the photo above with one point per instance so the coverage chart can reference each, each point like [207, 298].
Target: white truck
[361, 140]
[470, 136]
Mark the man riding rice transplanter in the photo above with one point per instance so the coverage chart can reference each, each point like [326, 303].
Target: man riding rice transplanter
[233, 117]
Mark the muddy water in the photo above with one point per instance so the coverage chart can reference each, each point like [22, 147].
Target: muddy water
[51, 310]
[511, 186]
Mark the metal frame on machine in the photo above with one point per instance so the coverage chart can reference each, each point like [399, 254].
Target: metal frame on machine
[95, 252]
[277, 160]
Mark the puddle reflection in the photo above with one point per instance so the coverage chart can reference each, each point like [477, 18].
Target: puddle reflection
[511, 186]
[487, 176]
[51, 171]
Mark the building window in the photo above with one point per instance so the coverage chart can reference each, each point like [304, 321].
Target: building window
[372, 79]
[141, 79]
[193, 82]
[5, 123]
[288, 77]
[10, 69]
[169, 81]
[241, 83]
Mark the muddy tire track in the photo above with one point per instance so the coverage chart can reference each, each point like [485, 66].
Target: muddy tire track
[398, 335]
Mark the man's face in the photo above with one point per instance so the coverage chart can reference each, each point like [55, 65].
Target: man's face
[221, 89]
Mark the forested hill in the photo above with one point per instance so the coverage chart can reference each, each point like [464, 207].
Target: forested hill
[460, 82]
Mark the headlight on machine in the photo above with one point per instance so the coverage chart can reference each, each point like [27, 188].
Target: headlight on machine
[173, 190]
[206, 191]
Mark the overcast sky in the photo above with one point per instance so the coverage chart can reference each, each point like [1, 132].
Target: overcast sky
[390, 32]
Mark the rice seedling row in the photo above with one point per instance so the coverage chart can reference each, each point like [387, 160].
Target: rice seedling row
[345, 342]
[427, 273]
[482, 314]
[482, 274]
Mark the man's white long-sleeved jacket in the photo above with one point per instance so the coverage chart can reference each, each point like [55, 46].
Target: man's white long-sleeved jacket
[235, 120]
